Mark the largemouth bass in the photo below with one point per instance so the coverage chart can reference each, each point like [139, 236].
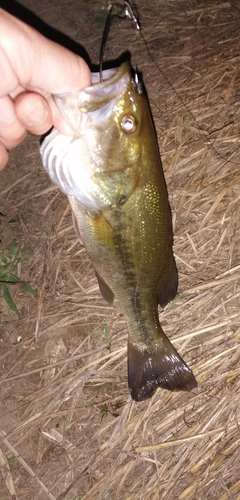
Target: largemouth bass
[111, 171]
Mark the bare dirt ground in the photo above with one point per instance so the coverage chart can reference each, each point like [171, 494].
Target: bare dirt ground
[69, 428]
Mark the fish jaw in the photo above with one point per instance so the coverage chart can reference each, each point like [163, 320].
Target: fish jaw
[93, 106]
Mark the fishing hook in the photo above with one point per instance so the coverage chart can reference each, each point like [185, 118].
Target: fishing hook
[121, 11]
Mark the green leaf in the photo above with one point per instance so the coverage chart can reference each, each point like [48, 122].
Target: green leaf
[29, 289]
[9, 278]
[24, 257]
[12, 223]
[178, 297]
[90, 401]
[14, 458]
[8, 260]
[10, 301]
[106, 333]
[103, 413]
[14, 247]
[14, 279]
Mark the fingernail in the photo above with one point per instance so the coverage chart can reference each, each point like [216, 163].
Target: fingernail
[36, 114]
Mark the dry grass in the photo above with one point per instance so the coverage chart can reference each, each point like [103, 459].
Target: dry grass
[54, 392]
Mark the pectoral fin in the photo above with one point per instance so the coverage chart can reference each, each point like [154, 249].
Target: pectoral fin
[76, 227]
[116, 187]
[106, 292]
[163, 368]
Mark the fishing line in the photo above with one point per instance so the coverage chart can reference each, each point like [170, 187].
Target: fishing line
[204, 132]
[126, 11]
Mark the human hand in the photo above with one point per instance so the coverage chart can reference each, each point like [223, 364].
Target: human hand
[33, 68]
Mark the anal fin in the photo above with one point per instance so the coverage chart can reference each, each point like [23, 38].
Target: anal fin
[170, 289]
[163, 368]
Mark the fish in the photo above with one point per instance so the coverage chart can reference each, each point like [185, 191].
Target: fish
[111, 171]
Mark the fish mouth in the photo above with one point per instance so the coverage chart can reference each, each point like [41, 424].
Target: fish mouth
[94, 104]
[77, 163]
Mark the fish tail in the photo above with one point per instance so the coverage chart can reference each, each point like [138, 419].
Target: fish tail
[162, 368]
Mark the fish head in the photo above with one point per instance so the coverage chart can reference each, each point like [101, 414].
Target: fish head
[100, 165]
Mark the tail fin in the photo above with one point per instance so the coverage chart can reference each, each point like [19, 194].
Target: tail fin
[162, 368]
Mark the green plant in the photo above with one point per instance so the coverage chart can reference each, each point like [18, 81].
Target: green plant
[178, 297]
[110, 408]
[12, 459]
[90, 401]
[106, 333]
[101, 17]
[104, 411]
[9, 260]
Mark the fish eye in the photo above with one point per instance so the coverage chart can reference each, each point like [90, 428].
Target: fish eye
[128, 124]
